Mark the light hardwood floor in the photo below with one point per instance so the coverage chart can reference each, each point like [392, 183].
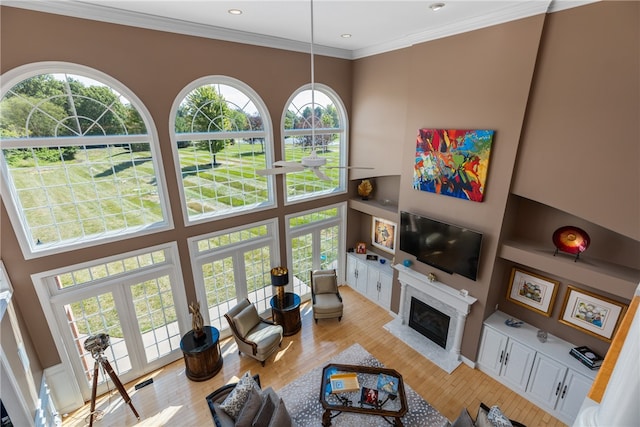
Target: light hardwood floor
[174, 400]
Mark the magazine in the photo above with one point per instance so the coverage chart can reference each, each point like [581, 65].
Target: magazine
[342, 383]
[388, 384]
[369, 396]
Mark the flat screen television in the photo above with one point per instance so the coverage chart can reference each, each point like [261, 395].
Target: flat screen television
[447, 247]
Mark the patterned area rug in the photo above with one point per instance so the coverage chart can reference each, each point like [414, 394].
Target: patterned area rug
[302, 401]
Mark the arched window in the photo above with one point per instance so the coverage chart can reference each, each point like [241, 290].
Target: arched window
[329, 140]
[79, 159]
[221, 135]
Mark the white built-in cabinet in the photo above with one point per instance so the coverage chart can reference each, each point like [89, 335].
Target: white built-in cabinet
[544, 373]
[371, 278]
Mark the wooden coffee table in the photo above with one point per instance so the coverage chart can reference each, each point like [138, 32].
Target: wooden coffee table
[388, 405]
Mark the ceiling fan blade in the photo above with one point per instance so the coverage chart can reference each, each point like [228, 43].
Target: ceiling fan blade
[278, 171]
[347, 167]
[287, 164]
[320, 174]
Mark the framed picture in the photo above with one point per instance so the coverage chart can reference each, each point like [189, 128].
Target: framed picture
[383, 234]
[361, 248]
[532, 291]
[591, 313]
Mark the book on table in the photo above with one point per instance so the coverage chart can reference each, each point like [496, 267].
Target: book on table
[369, 396]
[344, 382]
[388, 384]
[587, 356]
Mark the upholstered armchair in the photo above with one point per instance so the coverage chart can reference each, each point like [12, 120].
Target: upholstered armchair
[255, 336]
[326, 299]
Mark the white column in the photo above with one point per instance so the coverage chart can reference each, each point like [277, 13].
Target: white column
[457, 345]
[401, 309]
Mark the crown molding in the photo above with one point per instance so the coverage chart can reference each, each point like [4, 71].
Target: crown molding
[95, 12]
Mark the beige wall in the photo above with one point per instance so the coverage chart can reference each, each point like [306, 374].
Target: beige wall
[562, 93]
[508, 78]
[155, 66]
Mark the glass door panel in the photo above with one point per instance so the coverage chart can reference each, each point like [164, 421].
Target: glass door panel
[220, 289]
[302, 262]
[157, 319]
[257, 265]
[92, 316]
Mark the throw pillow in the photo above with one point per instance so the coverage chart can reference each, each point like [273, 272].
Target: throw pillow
[264, 413]
[497, 418]
[250, 409]
[463, 420]
[246, 320]
[281, 417]
[325, 284]
[234, 402]
[482, 420]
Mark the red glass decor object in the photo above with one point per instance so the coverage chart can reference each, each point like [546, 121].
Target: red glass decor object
[570, 239]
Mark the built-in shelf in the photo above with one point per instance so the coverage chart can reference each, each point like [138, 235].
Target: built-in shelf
[599, 274]
[377, 208]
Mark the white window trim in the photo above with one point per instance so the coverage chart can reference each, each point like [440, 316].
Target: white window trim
[344, 148]
[41, 282]
[268, 131]
[198, 258]
[340, 219]
[18, 74]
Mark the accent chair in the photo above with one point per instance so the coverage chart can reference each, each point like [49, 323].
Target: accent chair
[255, 336]
[325, 296]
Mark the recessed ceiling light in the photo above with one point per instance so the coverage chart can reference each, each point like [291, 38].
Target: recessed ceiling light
[235, 12]
[436, 6]
[345, 35]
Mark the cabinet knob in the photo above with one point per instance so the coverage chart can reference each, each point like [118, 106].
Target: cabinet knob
[558, 388]
[501, 356]
[506, 359]
[564, 391]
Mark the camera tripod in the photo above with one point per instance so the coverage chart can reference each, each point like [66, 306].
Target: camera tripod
[102, 361]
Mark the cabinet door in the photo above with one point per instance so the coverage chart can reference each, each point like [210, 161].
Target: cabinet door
[517, 364]
[492, 351]
[352, 271]
[573, 393]
[384, 295]
[373, 283]
[547, 377]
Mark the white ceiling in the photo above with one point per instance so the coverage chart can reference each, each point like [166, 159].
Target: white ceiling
[375, 26]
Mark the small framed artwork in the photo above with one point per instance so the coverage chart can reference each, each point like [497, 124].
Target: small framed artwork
[361, 248]
[532, 291]
[383, 234]
[591, 313]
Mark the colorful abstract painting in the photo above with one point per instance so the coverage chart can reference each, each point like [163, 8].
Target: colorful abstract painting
[453, 162]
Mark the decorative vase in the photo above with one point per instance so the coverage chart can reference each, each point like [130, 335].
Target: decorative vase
[407, 263]
[365, 189]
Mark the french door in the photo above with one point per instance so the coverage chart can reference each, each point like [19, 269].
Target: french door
[138, 301]
[315, 240]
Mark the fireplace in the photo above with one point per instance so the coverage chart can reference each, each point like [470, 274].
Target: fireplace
[440, 312]
[430, 322]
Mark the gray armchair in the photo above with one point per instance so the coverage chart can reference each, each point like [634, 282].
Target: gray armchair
[326, 299]
[255, 336]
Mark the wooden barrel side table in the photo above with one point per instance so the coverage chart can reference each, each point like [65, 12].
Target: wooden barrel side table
[286, 313]
[202, 358]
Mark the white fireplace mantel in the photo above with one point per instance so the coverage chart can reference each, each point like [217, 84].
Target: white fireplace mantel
[448, 295]
[454, 303]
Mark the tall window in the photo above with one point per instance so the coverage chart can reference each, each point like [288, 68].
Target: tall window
[230, 265]
[79, 159]
[329, 140]
[316, 241]
[221, 137]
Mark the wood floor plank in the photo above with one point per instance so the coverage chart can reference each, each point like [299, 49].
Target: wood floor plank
[172, 399]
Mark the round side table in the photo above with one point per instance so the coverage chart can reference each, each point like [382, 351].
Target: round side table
[202, 358]
[287, 313]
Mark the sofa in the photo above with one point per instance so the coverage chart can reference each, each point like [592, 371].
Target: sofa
[487, 417]
[245, 404]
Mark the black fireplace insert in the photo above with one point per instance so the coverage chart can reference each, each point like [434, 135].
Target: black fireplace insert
[430, 322]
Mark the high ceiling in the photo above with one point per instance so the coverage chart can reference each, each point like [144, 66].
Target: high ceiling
[375, 26]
